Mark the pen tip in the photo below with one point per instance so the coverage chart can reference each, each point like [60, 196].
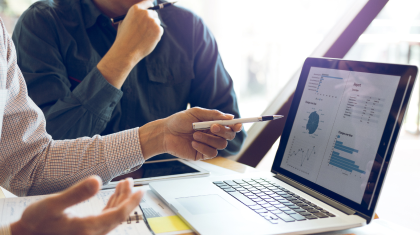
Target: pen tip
[277, 117]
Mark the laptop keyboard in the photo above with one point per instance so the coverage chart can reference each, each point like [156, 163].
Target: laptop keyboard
[272, 201]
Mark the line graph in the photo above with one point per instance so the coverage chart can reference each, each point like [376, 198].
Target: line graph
[302, 155]
[305, 154]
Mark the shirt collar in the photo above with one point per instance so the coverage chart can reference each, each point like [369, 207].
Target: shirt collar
[90, 13]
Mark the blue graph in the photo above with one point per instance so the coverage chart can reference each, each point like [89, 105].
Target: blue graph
[313, 122]
[326, 76]
[341, 162]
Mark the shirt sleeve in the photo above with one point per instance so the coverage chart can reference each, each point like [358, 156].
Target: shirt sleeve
[31, 163]
[213, 86]
[84, 111]
[5, 230]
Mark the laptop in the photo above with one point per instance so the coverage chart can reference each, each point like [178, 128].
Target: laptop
[330, 165]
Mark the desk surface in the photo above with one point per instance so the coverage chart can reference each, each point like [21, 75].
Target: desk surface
[221, 162]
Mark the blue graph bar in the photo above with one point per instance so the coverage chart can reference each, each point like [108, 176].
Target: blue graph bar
[344, 163]
[339, 145]
[323, 76]
[340, 166]
[345, 149]
[339, 158]
[347, 167]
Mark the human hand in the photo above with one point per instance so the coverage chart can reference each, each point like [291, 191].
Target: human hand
[175, 135]
[138, 34]
[49, 216]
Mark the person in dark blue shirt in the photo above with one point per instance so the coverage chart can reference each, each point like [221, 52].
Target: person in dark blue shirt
[92, 77]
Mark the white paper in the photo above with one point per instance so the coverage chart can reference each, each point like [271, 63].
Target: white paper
[151, 205]
[3, 99]
[11, 210]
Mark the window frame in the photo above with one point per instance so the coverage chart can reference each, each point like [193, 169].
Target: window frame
[336, 44]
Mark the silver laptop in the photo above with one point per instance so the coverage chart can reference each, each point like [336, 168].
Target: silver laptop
[330, 165]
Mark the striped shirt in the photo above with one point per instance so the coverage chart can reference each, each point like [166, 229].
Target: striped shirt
[31, 163]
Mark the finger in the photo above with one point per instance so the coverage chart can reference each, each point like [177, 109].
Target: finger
[210, 140]
[223, 131]
[236, 128]
[144, 5]
[111, 202]
[204, 149]
[111, 218]
[153, 14]
[76, 194]
[125, 190]
[209, 115]
[118, 189]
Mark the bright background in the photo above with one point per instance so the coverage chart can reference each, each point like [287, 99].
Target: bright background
[264, 43]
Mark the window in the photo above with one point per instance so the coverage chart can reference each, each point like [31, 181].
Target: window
[10, 10]
[394, 37]
[264, 43]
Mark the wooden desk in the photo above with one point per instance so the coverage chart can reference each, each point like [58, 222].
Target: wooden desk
[231, 165]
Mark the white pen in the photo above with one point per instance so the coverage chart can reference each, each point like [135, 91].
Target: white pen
[206, 125]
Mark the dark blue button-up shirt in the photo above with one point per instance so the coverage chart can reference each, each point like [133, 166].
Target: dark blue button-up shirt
[59, 44]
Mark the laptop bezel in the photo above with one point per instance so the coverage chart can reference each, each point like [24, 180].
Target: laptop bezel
[408, 75]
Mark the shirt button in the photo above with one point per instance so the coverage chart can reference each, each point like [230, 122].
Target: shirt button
[112, 104]
[128, 90]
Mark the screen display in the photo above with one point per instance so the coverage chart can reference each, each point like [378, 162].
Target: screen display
[338, 128]
[156, 169]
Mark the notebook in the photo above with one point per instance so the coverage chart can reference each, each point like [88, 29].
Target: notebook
[11, 210]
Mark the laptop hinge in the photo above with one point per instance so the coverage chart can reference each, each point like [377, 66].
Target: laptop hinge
[319, 196]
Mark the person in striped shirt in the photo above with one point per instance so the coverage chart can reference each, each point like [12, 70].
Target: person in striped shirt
[32, 163]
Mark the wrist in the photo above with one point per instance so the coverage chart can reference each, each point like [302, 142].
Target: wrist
[151, 138]
[116, 65]
[17, 229]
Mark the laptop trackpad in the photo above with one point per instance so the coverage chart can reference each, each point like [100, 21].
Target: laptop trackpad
[205, 204]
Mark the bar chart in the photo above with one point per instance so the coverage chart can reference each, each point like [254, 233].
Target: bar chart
[342, 162]
[325, 85]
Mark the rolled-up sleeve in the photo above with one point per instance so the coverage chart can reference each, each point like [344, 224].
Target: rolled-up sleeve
[31, 163]
[84, 111]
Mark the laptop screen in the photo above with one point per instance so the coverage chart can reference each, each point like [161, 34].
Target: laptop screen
[339, 120]
[338, 127]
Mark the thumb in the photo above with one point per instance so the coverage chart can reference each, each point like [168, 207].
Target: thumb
[76, 194]
[209, 115]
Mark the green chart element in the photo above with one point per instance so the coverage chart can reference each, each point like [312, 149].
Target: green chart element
[312, 122]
